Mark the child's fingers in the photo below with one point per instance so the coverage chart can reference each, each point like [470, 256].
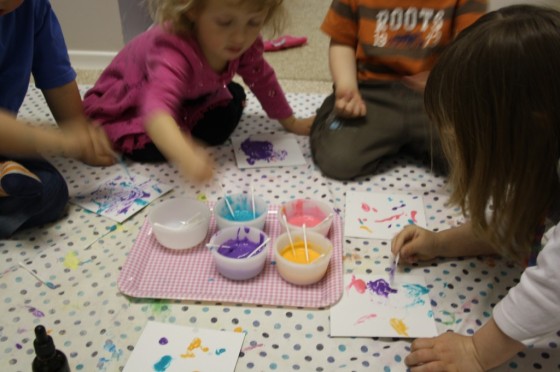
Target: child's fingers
[101, 146]
[400, 239]
[407, 244]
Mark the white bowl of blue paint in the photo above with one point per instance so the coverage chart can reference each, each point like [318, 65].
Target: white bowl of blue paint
[241, 210]
[239, 252]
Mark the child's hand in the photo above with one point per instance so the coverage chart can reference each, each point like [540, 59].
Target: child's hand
[298, 126]
[349, 104]
[89, 144]
[446, 352]
[414, 244]
[198, 166]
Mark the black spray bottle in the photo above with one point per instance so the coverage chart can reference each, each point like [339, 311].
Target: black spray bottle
[48, 358]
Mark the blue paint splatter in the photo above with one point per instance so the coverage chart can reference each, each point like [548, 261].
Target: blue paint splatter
[51, 285]
[112, 348]
[220, 351]
[101, 364]
[116, 196]
[163, 363]
[415, 291]
[140, 202]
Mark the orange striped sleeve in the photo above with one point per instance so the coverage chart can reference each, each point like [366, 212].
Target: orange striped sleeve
[340, 23]
[395, 38]
[468, 12]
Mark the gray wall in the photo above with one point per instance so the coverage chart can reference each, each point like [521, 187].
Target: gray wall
[135, 18]
[95, 30]
[495, 4]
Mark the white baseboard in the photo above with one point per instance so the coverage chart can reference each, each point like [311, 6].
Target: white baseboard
[90, 60]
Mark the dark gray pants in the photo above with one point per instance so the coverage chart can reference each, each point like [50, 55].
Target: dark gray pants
[395, 121]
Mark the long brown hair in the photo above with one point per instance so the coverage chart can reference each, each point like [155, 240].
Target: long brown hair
[494, 96]
[173, 13]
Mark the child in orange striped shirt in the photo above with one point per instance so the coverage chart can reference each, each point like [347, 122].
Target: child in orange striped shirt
[380, 55]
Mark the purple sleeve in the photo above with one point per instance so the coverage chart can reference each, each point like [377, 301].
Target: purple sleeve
[261, 79]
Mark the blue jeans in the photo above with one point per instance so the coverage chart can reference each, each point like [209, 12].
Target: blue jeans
[17, 213]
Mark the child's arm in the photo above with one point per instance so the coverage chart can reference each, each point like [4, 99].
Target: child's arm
[342, 62]
[488, 348]
[65, 104]
[179, 148]
[298, 126]
[21, 139]
[259, 76]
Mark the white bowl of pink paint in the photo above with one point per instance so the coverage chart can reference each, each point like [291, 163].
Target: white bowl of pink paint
[315, 214]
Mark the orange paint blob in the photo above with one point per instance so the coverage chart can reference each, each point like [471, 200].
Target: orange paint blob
[399, 326]
[299, 250]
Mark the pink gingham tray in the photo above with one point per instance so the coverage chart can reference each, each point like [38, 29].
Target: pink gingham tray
[153, 271]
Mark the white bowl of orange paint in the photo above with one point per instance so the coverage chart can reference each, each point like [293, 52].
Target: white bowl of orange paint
[298, 265]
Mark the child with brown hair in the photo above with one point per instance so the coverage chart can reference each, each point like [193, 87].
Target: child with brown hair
[493, 96]
[171, 86]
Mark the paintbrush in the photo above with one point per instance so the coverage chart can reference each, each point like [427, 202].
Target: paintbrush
[257, 249]
[305, 244]
[49, 284]
[229, 207]
[122, 163]
[393, 269]
[289, 234]
[253, 202]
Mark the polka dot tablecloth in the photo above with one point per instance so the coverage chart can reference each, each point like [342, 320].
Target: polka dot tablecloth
[96, 326]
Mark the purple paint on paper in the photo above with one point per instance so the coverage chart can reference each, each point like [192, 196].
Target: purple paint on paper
[37, 313]
[381, 287]
[261, 150]
[19, 346]
[116, 196]
[163, 341]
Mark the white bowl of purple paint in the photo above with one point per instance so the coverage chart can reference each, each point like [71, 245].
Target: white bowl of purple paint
[239, 252]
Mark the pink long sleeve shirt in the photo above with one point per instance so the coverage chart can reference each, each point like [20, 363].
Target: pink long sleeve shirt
[160, 71]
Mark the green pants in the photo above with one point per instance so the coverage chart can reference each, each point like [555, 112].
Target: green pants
[395, 121]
